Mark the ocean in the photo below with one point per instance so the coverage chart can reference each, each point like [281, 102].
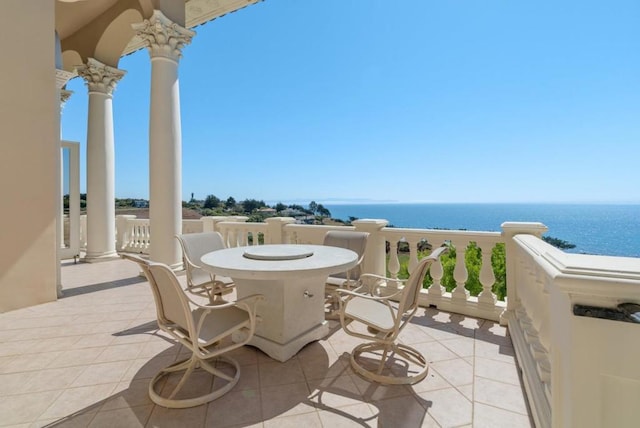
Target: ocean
[612, 230]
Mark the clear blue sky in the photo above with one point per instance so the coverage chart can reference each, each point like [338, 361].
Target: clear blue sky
[410, 100]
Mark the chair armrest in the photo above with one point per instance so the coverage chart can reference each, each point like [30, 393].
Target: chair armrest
[354, 293]
[247, 304]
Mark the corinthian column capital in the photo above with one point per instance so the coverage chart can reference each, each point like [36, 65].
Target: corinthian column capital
[100, 77]
[163, 37]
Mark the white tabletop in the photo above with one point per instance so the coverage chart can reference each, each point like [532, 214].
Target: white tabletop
[289, 260]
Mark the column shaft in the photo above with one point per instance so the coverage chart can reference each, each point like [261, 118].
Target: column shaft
[165, 162]
[101, 216]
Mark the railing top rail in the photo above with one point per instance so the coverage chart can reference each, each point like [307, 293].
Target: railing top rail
[317, 226]
[242, 225]
[577, 273]
[443, 233]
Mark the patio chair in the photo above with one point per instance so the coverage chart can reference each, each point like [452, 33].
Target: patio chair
[203, 329]
[369, 313]
[351, 240]
[199, 281]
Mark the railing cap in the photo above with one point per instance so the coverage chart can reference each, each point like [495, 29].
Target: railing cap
[517, 227]
[370, 223]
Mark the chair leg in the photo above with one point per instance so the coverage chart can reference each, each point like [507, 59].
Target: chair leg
[190, 365]
[409, 356]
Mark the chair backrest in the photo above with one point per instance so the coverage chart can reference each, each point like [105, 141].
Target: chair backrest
[411, 292]
[351, 240]
[171, 303]
[194, 246]
[174, 303]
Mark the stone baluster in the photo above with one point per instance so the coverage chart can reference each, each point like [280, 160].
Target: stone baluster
[460, 294]
[487, 277]
[436, 290]
[394, 260]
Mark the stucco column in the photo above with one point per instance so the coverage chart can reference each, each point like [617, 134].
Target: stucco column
[62, 77]
[509, 230]
[164, 40]
[375, 255]
[101, 215]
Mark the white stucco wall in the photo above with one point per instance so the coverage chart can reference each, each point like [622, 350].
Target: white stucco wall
[29, 154]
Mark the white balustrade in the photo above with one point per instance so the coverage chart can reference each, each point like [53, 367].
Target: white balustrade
[459, 300]
[578, 370]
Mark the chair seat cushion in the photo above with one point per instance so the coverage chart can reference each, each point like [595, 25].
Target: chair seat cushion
[220, 323]
[370, 312]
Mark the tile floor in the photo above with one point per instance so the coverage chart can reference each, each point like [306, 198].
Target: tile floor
[86, 360]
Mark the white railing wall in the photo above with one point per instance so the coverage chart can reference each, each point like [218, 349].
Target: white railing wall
[578, 371]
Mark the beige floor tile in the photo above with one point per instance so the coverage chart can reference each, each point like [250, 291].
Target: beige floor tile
[52, 379]
[431, 382]
[85, 399]
[283, 400]
[435, 351]
[119, 353]
[276, 373]
[128, 394]
[497, 370]
[336, 392]
[237, 407]
[401, 412]
[495, 351]
[93, 340]
[499, 394]
[466, 390]
[348, 416]
[25, 408]
[485, 416]
[462, 346]
[76, 357]
[29, 362]
[144, 368]
[373, 391]
[162, 417]
[448, 407]
[456, 372]
[130, 417]
[102, 373]
[307, 420]
[15, 383]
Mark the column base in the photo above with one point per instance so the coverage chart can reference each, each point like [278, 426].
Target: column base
[100, 257]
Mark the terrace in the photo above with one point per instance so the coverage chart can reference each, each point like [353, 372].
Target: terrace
[86, 360]
[527, 361]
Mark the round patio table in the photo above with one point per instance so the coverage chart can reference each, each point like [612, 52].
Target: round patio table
[292, 278]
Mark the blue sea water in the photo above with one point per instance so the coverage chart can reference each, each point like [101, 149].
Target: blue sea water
[612, 230]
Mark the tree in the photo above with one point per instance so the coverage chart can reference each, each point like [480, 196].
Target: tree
[280, 207]
[250, 205]
[230, 203]
[323, 211]
[313, 207]
[211, 202]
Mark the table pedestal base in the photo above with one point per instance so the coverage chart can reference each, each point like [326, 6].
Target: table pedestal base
[291, 315]
[282, 352]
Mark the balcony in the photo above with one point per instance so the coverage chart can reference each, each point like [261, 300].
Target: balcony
[86, 360]
[527, 361]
